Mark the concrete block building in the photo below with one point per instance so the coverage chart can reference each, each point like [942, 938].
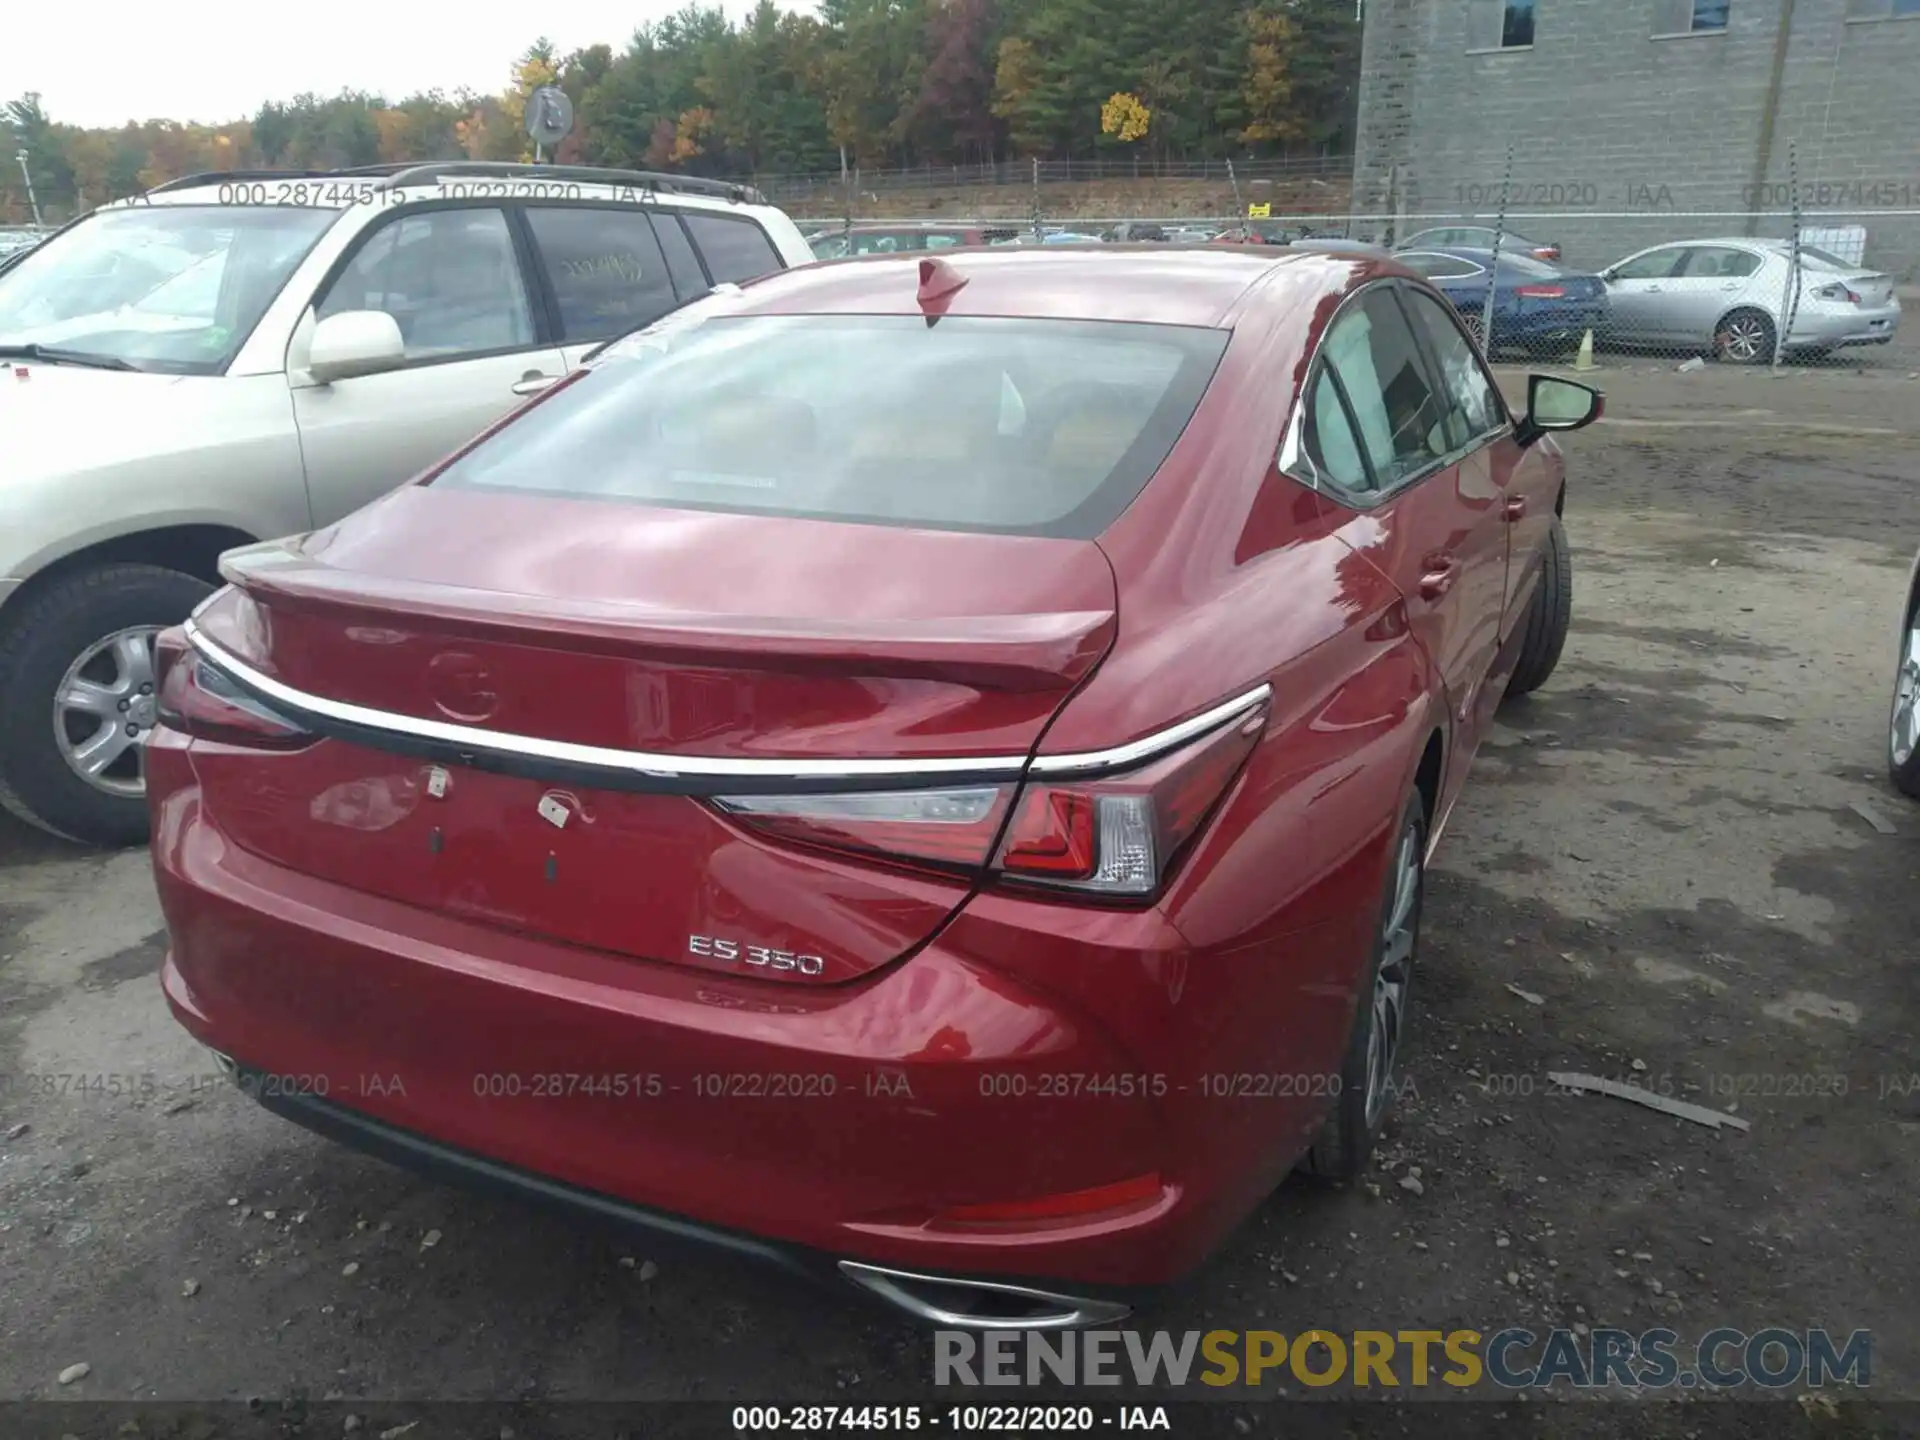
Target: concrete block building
[1631, 122]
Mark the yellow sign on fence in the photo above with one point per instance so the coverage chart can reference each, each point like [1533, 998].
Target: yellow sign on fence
[1262, 211]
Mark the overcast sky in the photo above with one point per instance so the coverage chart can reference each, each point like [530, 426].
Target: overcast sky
[102, 62]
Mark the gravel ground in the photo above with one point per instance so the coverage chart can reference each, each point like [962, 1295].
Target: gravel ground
[1660, 849]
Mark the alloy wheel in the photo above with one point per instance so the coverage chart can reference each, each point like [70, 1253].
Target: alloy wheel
[1905, 729]
[1391, 980]
[104, 709]
[1745, 338]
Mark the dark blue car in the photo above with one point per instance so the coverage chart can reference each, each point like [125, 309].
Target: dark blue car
[1538, 306]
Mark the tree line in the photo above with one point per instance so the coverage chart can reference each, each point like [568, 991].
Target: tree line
[873, 83]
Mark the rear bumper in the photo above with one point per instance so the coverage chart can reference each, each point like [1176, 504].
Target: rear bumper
[1568, 323]
[1854, 327]
[913, 1291]
[799, 1126]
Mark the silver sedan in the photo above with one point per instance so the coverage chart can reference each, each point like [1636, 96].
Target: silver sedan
[1732, 297]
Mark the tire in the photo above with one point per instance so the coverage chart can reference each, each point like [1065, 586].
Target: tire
[1744, 337]
[48, 634]
[1346, 1140]
[1548, 618]
[1903, 727]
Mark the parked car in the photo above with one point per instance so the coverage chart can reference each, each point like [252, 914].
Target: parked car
[1729, 297]
[1135, 231]
[14, 242]
[1192, 234]
[731, 794]
[1336, 245]
[1256, 232]
[1903, 750]
[230, 358]
[890, 239]
[1538, 306]
[1480, 237]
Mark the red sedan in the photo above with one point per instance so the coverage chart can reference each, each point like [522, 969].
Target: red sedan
[920, 771]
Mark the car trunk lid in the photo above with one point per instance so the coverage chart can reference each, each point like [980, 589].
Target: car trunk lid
[526, 704]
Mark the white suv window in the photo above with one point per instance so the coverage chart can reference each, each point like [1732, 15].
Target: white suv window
[449, 278]
[606, 269]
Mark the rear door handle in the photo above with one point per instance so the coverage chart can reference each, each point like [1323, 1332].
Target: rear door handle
[1439, 577]
[1517, 508]
[532, 383]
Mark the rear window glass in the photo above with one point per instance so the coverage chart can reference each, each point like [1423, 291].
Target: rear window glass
[1528, 268]
[1014, 426]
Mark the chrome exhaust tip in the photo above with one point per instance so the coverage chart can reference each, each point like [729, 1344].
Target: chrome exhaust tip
[226, 1063]
[981, 1304]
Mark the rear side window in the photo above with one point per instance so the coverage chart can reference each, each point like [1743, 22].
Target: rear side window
[735, 250]
[606, 269]
[1014, 426]
[1719, 262]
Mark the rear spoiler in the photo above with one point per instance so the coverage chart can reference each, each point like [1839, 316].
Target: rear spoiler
[1049, 651]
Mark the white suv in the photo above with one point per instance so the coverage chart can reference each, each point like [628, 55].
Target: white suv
[237, 357]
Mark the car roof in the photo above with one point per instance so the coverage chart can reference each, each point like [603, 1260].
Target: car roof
[345, 192]
[1153, 284]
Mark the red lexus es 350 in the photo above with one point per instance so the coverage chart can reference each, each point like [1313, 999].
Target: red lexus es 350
[915, 770]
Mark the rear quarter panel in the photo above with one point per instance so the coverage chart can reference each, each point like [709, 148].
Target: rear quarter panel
[1231, 574]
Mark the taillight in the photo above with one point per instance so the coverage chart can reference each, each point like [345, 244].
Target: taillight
[1119, 834]
[198, 700]
[1839, 292]
[1112, 834]
[954, 827]
[1543, 292]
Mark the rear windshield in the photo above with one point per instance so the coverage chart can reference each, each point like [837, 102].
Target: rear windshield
[1527, 268]
[1014, 426]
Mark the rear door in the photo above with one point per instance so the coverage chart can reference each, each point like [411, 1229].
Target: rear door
[456, 282]
[1389, 437]
[1637, 291]
[1710, 281]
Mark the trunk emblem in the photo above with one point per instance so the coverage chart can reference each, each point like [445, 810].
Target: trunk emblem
[461, 687]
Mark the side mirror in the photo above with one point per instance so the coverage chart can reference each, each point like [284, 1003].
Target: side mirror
[355, 342]
[1556, 404]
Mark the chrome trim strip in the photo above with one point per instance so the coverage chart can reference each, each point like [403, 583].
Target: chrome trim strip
[1088, 762]
[1070, 1312]
[650, 764]
[633, 762]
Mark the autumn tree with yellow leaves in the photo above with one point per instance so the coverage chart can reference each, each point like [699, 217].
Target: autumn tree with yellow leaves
[1124, 118]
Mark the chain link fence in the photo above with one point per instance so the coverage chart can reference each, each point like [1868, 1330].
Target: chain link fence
[1797, 273]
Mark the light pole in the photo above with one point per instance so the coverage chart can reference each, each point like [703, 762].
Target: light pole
[27, 175]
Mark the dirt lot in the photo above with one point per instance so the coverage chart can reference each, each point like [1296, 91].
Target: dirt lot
[1660, 848]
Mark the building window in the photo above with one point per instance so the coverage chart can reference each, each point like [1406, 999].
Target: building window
[1500, 25]
[1690, 17]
